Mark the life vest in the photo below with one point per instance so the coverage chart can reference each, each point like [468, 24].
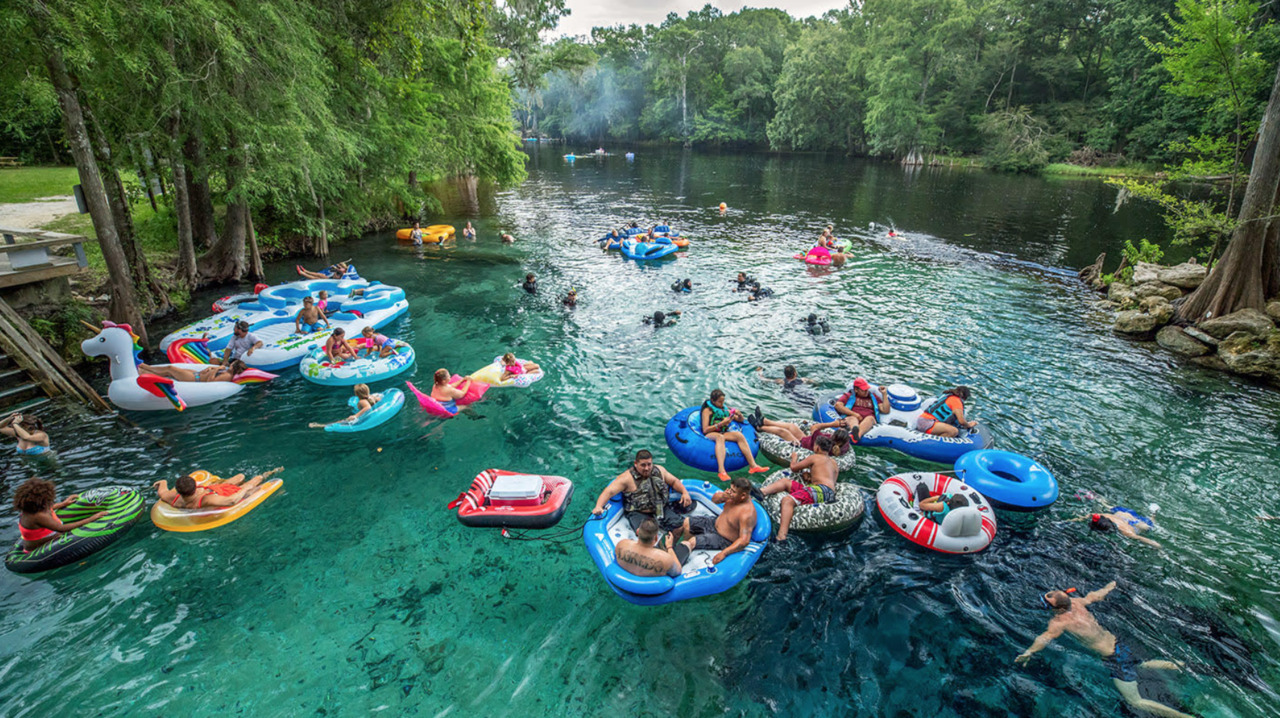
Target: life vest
[650, 494]
[942, 411]
[717, 414]
[875, 405]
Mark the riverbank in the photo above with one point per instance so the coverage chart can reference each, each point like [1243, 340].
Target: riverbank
[1246, 342]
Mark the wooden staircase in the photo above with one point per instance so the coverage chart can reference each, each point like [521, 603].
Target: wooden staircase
[18, 391]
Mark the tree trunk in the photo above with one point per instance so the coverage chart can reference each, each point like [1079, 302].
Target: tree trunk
[322, 247]
[255, 259]
[1248, 268]
[186, 270]
[123, 307]
[225, 259]
[204, 229]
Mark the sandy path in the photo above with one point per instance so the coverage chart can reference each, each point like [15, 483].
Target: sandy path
[32, 215]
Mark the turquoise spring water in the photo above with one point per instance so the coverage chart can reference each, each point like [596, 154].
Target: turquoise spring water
[353, 591]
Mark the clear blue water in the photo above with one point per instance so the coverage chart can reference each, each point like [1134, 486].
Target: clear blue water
[353, 591]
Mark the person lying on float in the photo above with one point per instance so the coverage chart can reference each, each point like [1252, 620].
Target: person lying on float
[187, 494]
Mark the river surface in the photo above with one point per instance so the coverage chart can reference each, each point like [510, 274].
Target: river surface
[354, 591]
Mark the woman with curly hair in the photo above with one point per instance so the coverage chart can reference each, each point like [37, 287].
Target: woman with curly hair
[36, 501]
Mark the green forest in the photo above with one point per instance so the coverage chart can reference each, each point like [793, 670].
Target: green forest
[1020, 83]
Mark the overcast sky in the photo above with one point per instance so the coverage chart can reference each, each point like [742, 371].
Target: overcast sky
[592, 13]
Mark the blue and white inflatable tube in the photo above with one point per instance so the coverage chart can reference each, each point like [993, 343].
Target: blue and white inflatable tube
[685, 439]
[390, 405]
[700, 577]
[1008, 480]
[897, 429]
[662, 247]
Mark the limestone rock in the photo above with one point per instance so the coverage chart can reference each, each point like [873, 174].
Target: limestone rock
[1132, 321]
[1200, 336]
[1173, 339]
[1273, 309]
[1121, 294]
[1252, 354]
[1211, 361]
[1187, 275]
[1145, 272]
[1157, 289]
[1250, 320]
[1158, 307]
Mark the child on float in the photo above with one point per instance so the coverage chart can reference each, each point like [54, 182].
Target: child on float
[364, 402]
[512, 367]
[371, 340]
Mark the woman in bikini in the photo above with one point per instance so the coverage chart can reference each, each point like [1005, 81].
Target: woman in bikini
[205, 375]
[27, 429]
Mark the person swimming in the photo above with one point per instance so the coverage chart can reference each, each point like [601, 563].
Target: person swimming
[530, 283]
[685, 286]
[815, 324]
[468, 232]
[29, 432]
[663, 319]
[571, 299]
[364, 402]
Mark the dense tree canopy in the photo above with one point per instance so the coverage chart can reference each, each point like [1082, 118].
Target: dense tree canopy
[1021, 82]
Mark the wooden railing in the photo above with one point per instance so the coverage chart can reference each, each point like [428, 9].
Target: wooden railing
[30, 261]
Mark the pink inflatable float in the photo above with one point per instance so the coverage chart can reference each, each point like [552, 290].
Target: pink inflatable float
[820, 256]
[448, 410]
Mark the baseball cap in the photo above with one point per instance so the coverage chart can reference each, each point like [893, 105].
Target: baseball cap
[861, 384]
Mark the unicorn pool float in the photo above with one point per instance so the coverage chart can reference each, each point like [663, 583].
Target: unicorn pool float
[131, 389]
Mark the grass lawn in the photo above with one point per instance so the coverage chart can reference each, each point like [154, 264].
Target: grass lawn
[25, 184]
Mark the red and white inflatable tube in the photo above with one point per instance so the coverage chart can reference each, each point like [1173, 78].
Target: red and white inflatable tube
[476, 509]
[969, 529]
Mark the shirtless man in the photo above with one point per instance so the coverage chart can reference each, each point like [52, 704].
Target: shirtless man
[813, 481]
[730, 532]
[187, 495]
[645, 488]
[309, 317]
[1123, 522]
[642, 556]
[858, 402]
[1071, 615]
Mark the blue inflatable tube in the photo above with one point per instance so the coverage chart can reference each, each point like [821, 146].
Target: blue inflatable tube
[700, 577]
[631, 249]
[1008, 480]
[939, 449]
[685, 439]
[391, 404]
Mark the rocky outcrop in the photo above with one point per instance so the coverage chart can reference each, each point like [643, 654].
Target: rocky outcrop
[1200, 336]
[1177, 341]
[1249, 321]
[1187, 275]
[1253, 354]
[1156, 289]
[1121, 294]
[1273, 310]
[1144, 272]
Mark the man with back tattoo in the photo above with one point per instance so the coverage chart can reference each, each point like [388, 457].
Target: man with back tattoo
[642, 556]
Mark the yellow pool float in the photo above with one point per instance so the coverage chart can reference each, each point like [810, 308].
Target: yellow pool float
[435, 234]
[187, 520]
[491, 374]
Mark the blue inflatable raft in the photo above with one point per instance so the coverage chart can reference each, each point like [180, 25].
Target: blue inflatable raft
[685, 439]
[700, 577]
[661, 247]
[1008, 480]
[897, 429]
[391, 404]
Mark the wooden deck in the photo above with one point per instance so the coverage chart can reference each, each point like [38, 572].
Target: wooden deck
[24, 262]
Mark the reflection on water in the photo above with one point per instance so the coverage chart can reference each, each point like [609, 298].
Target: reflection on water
[353, 590]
